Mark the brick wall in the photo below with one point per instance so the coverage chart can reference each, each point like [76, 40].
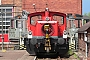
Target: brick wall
[88, 43]
[88, 51]
[64, 6]
[75, 22]
[6, 1]
[82, 46]
[17, 4]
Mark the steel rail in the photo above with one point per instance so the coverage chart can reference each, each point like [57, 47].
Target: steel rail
[36, 58]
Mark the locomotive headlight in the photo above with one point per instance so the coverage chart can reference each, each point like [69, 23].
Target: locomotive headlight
[30, 34]
[64, 34]
[47, 18]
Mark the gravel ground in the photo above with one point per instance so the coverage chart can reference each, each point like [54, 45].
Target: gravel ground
[22, 55]
[12, 54]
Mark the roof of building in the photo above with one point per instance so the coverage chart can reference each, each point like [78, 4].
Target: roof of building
[84, 27]
[78, 17]
[6, 5]
[86, 17]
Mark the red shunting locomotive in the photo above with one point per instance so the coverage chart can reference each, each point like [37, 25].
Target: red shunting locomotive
[47, 33]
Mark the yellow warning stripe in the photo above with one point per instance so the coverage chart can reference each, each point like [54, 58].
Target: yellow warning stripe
[72, 46]
[22, 47]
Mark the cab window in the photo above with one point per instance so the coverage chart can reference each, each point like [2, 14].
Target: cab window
[58, 18]
[34, 19]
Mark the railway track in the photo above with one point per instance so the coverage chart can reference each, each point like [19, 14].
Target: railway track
[23, 55]
[26, 56]
[47, 58]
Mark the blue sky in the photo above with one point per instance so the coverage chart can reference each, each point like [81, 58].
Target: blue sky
[85, 6]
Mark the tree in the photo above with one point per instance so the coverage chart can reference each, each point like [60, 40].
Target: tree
[86, 14]
[89, 14]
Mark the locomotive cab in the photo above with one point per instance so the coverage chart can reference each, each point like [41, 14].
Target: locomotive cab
[46, 33]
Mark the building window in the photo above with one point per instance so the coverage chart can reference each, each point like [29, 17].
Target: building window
[6, 17]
